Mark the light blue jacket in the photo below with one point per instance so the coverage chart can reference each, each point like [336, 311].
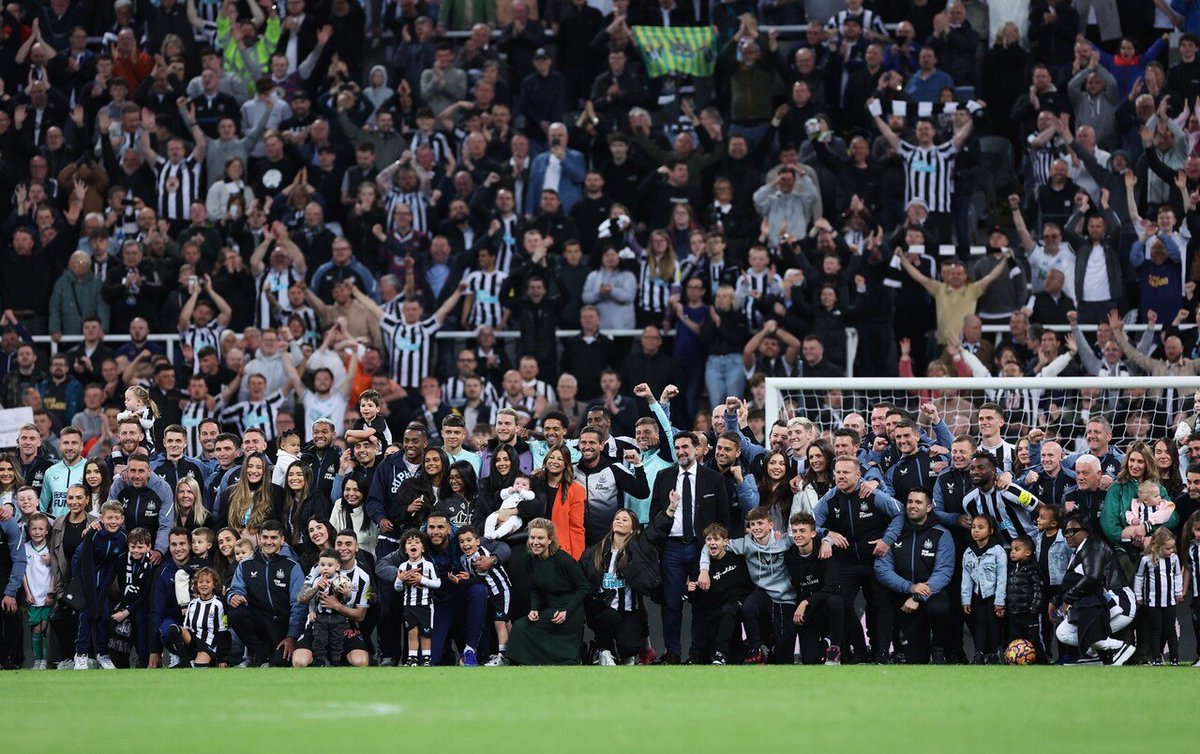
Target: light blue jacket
[1058, 559]
[985, 572]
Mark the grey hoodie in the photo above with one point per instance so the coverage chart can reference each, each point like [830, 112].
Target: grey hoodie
[376, 95]
[765, 563]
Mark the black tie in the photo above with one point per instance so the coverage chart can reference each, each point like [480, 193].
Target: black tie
[689, 526]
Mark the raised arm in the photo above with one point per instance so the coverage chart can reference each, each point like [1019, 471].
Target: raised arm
[892, 139]
[963, 133]
[448, 306]
[1014, 203]
[916, 274]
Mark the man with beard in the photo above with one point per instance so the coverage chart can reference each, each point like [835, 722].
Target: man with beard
[63, 474]
[320, 454]
[263, 606]
[148, 501]
[740, 488]
[604, 479]
[61, 393]
[507, 423]
[917, 570]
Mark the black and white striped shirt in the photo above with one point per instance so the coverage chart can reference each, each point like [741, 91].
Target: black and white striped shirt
[1004, 453]
[274, 283]
[929, 174]
[1040, 158]
[485, 289]
[654, 289]
[312, 323]
[496, 577]
[178, 185]
[1156, 584]
[437, 141]
[418, 595]
[505, 247]
[205, 619]
[1006, 509]
[255, 414]
[194, 412]
[870, 20]
[541, 390]
[199, 337]
[409, 348]
[360, 589]
[761, 282]
[415, 200]
[455, 392]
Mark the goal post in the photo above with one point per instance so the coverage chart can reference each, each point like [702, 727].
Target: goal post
[1138, 408]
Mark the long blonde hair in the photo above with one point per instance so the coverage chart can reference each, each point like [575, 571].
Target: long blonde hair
[664, 267]
[1158, 544]
[199, 512]
[243, 499]
[143, 395]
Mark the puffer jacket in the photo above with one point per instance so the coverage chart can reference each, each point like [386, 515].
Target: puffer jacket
[72, 300]
[1024, 592]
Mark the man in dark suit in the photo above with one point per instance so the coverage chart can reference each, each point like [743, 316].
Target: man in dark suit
[686, 498]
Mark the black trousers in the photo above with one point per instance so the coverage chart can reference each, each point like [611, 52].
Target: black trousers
[261, 632]
[824, 620]
[985, 626]
[1028, 626]
[621, 632]
[12, 639]
[391, 618]
[778, 615]
[916, 627]
[1159, 624]
[880, 612]
[726, 618]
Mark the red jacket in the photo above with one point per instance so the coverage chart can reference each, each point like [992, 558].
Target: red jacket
[566, 511]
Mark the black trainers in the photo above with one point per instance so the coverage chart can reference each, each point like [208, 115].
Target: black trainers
[718, 658]
[979, 659]
[755, 658]
[670, 658]
[938, 656]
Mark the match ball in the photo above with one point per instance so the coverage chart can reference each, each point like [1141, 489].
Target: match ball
[1020, 652]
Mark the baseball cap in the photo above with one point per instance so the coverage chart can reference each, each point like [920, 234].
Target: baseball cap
[540, 53]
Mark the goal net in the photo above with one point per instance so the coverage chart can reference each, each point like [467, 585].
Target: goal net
[1138, 408]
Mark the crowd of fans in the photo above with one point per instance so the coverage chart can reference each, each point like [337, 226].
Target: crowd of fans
[306, 194]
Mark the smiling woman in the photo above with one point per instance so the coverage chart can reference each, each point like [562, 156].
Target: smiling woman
[553, 630]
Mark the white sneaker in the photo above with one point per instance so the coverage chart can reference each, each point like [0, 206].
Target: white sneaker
[496, 661]
[67, 664]
[1122, 655]
[1196, 664]
[630, 661]
[105, 662]
[81, 662]
[39, 664]
[606, 658]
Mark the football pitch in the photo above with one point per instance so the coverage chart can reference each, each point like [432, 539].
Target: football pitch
[644, 709]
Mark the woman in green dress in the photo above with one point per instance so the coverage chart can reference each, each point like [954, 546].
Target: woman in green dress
[553, 630]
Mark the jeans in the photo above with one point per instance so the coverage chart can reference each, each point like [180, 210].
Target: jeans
[467, 605]
[725, 376]
[692, 392]
[753, 134]
[679, 563]
[1095, 312]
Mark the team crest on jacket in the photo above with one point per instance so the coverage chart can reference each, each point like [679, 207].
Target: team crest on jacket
[929, 544]
[903, 471]
[863, 506]
[151, 508]
[279, 573]
[254, 574]
[950, 487]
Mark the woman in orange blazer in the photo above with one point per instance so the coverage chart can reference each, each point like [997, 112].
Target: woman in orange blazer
[566, 499]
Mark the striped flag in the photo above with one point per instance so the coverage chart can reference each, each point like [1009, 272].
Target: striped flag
[677, 49]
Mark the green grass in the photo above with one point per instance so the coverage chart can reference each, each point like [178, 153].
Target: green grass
[612, 710]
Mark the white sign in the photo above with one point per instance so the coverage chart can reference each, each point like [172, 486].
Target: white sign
[11, 421]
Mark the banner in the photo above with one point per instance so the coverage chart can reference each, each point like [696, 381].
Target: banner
[677, 49]
[11, 421]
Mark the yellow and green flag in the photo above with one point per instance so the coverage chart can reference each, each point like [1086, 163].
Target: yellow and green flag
[677, 49]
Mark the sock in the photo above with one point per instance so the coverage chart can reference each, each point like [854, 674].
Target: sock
[412, 655]
[39, 646]
[468, 648]
[502, 648]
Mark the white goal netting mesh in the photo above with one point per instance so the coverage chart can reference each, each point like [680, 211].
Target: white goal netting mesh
[1138, 408]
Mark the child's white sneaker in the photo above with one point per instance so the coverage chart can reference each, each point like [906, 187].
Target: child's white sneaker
[65, 664]
[81, 662]
[105, 662]
[606, 658]
[39, 664]
[496, 661]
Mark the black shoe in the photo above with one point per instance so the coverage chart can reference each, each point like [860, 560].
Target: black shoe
[670, 658]
[694, 660]
[939, 656]
[898, 658]
[980, 659]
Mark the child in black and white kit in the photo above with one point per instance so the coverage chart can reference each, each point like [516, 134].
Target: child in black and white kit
[1158, 586]
[205, 634]
[499, 589]
[327, 626]
[1191, 571]
[510, 498]
[415, 579]
[139, 406]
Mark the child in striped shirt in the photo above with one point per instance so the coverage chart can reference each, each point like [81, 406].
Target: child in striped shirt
[205, 628]
[415, 579]
[1158, 585]
[499, 589]
[328, 626]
